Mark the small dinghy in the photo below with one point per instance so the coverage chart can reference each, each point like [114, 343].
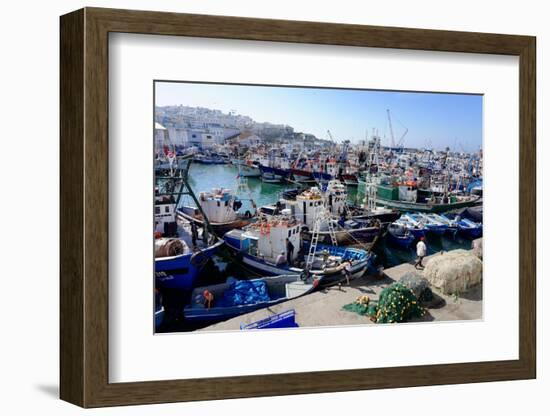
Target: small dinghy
[450, 223]
[469, 228]
[224, 301]
[430, 224]
[414, 227]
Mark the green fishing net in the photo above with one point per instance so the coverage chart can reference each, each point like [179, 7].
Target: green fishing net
[397, 303]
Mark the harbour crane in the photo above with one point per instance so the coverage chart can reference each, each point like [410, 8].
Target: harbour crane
[399, 143]
[330, 136]
[391, 129]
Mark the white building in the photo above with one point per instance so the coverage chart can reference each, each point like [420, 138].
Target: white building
[160, 135]
[178, 136]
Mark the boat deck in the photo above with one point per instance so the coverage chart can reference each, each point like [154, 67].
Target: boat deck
[184, 233]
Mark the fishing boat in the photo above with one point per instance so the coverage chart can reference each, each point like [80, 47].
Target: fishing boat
[224, 209]
[430, 224]
[260, 245]
[399, 235]
[181, 251]
[306, 205]
[301, 175]
[248, 168]
[469, 228]
[405, 197]
[416, 228]
[451, 223]
[384, 215]
[273, 175]
[209, 159]
[224, 301]
[309, 204]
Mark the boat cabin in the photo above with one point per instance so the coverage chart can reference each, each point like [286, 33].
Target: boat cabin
[220, 205]
[165, 216]
[267, 238]
[405, 191]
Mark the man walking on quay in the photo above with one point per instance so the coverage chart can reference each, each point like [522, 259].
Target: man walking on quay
[420, 253]
[289, 251]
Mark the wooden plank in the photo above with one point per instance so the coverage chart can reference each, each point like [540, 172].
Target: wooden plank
[528, 210]
[72, 366]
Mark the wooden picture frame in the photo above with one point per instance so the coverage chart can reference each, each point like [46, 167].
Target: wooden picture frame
[84, 207]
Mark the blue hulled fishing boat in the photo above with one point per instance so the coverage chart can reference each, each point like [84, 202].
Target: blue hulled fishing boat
[431, 225]
[224, 301]
[273, 175]
[181, 248]
[273, 246]
[469, 228]
[414, 227]
[399, 235]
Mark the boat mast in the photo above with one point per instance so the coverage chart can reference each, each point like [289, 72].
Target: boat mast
[177, 185]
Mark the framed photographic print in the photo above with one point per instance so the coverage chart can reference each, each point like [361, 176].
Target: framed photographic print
[245, 200]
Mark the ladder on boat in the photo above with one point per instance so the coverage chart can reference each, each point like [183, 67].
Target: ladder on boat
[323, 216]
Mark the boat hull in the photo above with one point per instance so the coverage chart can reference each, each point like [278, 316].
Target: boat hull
[301, 175]
[401, 241]
[405, 206]
[249, 171]
[384, 217]
[220, 228]
[222, 313]
[470, 232]
[364, 236]
[325, 277]
[181, 272]
[273, 175]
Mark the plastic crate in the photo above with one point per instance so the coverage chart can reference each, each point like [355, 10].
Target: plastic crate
[285, 319]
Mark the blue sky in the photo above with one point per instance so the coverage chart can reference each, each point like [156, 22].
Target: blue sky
[453, 120]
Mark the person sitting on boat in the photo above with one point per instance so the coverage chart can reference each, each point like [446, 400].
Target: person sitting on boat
[208, 298]
[347, 271]
[289, 251]
[421, 253]
[280, 259]
[278, 207]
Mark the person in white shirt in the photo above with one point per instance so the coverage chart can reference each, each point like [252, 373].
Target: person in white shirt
[420, 253]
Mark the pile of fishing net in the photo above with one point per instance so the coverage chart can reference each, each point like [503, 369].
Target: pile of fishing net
[397, 303]
[418, 285]
[454, 272]
[360, 306]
